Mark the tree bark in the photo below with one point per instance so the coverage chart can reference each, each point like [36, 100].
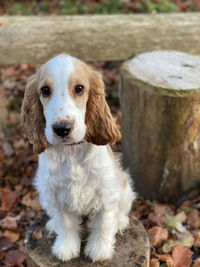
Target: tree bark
[160, 102]
[132, 249]
[34, 39]
[3, 109]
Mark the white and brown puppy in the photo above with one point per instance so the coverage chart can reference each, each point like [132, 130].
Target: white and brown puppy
[67, 120]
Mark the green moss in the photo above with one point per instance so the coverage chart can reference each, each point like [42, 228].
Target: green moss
[163, 6]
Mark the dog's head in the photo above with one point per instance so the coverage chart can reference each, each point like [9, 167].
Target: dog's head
[64, 102]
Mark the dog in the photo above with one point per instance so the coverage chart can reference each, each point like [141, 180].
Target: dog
[67, 119]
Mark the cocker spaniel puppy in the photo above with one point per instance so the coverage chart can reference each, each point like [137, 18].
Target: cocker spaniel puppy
[67, 120]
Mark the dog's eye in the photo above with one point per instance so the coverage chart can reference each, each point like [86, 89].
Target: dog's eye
[45, 91]
[78, 89]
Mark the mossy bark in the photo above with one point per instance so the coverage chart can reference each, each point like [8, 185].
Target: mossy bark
[161, 135]
[3, 110]
[35, 39]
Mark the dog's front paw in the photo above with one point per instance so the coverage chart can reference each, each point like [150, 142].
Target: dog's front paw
[99, 251]
[123, 223]
[66, 250]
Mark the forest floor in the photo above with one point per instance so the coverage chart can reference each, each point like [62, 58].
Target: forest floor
[174, 231]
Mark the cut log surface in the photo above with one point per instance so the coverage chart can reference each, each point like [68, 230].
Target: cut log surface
[160, 102]
[35, 39]
[132, 248]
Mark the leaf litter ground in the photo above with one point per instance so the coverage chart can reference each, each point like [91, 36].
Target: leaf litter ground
[174, 232]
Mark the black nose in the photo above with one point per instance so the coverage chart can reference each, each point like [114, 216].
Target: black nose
[62, 129]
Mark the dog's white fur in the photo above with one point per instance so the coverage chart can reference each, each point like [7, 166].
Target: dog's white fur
[81, 179]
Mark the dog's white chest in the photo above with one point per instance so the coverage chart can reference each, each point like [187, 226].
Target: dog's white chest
[78, 190]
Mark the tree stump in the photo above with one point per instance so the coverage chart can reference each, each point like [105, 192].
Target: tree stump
[131, 249]
[3, 109]
[160, 102]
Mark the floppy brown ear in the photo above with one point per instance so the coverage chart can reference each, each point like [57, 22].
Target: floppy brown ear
[32, 116]
[101, 127]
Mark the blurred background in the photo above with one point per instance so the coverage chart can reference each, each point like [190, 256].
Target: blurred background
[19, 202]
[63, 7]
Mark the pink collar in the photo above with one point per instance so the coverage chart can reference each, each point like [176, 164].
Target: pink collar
[73, 144]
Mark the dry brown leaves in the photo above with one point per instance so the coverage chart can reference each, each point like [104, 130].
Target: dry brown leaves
[182, 256]
[154, 263]
[157, 217]
[37, 234]
[157, 235]
[196, 263]
[193, 219]
[174, 233]
[9, 200]
[20, 204]
[15, 258]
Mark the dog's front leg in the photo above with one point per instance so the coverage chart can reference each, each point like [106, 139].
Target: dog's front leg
[67, 243]
[101, 241]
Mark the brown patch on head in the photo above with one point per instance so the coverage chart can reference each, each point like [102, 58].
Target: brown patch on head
[32, 115]
[101, 127]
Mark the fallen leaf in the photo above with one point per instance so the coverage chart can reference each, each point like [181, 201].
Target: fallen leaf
[193, 219]
[197, 263]
[14, 257]
[157, 219]
[37, 234]
[154, 263]
[11, 235]
[163, 209]
[2, 214]
[186, 240]
[8, 150]
[157, 235]
[185, 205]
[141, 211]
[9, 223]
[182, 256]
[5, 244]
[196, 235]
[171, 221]
[9, 200]
[20, 242]
[166, 258]
[181, 217]
[30, 202]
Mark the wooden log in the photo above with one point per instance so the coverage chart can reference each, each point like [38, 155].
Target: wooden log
[34, 39]
[160, 102]
[132, 248]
